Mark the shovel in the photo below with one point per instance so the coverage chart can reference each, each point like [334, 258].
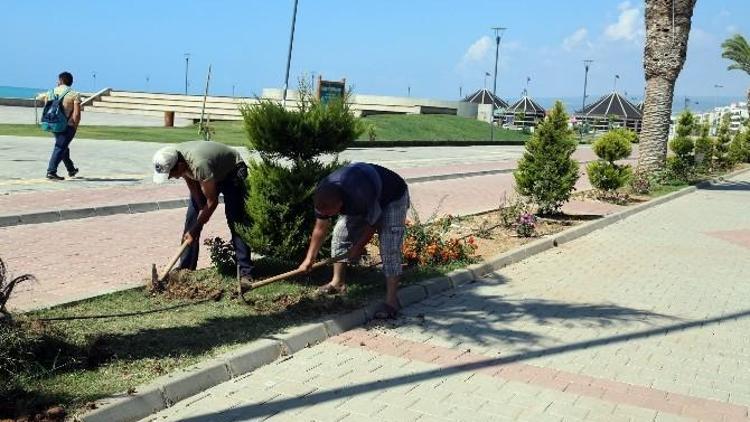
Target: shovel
[157, 279]
[289, 274]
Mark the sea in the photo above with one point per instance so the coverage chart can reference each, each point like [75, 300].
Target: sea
[19, 92]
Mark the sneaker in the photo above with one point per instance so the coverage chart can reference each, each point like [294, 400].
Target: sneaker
[73, 173]
[54, 176]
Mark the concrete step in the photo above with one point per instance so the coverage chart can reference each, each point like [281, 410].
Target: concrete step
[175, 108]
[99, 107]
[167, 102]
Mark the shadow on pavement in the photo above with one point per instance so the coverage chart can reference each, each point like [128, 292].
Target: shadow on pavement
[728, 186]
[268, 409]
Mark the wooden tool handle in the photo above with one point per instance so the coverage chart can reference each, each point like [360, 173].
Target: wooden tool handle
[292, 273]
[177, 256]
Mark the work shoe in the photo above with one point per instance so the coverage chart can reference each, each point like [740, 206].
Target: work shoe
[54, 176]
[73, 173]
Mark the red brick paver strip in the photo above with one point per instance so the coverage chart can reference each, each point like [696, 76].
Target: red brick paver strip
[563, 381]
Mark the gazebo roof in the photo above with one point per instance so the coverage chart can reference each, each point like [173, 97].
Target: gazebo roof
[484, 96]
[613, 104]
[526, 105]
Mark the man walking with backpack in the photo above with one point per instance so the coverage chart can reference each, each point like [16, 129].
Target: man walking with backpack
[61, 116]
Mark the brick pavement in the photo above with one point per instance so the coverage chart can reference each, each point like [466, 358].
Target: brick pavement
[77, 193]
[641, 321]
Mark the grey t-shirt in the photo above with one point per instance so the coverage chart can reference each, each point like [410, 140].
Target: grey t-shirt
[209, 160]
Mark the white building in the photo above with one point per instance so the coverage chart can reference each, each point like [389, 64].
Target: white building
[737, 114]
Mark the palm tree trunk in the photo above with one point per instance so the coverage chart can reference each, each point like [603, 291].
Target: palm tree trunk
[655, 130]
[667, 29]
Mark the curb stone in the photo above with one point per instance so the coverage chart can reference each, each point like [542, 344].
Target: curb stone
[258, 353]
[162, 393]
[200, 377]
[411, 294]
[297, 338]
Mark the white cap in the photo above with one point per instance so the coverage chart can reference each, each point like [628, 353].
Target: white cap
[164, 161]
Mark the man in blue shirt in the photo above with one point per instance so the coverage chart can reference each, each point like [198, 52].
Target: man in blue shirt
[370, 199]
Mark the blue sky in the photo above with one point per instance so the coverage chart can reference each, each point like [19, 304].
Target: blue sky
[381, 47]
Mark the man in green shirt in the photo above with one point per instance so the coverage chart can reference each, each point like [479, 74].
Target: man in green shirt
[71, 102]
[208, 168]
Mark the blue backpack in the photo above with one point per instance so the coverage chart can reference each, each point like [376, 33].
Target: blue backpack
[54, 118]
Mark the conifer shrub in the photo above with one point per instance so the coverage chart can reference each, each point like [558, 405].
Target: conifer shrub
[546, 173]
[704, 150]
[681, 166]
[605, 174]
[282, 182]
[723, 140]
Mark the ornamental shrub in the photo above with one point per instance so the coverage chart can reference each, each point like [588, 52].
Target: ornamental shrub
[282, 182]
[430, 243]
[739, 149]
[604, 174]
[546, 173]
[721, 147]
[704, 150]
[681, 166]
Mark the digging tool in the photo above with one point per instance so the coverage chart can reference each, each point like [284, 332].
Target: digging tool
[288, 274]
[157, 279]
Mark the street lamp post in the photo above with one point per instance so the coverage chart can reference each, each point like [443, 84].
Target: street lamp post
[187, 66]
[586, 65]
[716, 95]
[498, 36]
[289, 55]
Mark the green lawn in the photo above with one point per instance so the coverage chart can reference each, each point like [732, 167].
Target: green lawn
[435, 127]
[387, 128]
[79, 361]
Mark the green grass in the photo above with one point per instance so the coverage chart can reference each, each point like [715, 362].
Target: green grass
[398, 128]
[413, 127]
[230, 133]
[88, 359]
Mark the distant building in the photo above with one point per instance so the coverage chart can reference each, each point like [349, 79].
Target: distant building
[524, 113]
[737, 115]
[486, 102]
[611, 111]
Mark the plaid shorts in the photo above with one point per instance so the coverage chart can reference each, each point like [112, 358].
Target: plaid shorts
[348, 230]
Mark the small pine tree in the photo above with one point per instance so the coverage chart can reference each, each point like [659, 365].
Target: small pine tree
[604, 174]
[739, 149]
[546, 173]
[704, 150]
[281, 184]
[721, 147]
[681, 165]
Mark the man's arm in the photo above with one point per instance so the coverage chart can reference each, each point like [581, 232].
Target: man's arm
[316, 241]
[211, 194]
[75, 117]
[359, 247]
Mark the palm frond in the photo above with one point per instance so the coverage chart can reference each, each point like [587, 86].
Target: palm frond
[737, 49]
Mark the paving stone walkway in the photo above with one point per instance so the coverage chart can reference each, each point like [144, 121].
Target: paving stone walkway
[645, 320]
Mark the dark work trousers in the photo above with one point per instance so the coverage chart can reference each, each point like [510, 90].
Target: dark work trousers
[61, 151]
[235, 193]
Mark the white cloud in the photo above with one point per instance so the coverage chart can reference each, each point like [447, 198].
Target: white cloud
[628, 25]
[574, 39]
[479, 50]
[732, 29]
